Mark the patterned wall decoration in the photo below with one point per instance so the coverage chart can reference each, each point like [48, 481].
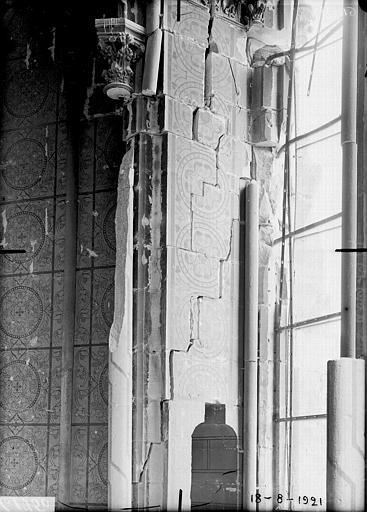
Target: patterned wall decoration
[32, 217]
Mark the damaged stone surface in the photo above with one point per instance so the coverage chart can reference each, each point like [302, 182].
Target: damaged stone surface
[226, 80]
[194, 156]
[268, 104]
[193, 22]
[208, 127]
[184, 62]
[157, 115]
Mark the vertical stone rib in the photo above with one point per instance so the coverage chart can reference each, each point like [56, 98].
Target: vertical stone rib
[68, 317]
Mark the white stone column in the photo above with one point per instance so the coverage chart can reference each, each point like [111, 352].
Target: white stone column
[346, 443]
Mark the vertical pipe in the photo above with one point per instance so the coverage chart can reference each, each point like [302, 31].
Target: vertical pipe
[67, 351]
[250, 345]
[349, 179]
[346, 376]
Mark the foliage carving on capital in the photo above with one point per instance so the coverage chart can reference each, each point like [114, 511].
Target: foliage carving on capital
[243, 11]
[119, 50]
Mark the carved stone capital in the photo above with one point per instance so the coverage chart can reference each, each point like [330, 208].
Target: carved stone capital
[243, 11]
[254, 10]
[121, 44]
[228, 8]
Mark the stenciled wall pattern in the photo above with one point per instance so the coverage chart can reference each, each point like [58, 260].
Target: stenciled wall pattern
[33, 154]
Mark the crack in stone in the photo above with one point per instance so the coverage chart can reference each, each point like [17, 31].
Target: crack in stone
[146, 461]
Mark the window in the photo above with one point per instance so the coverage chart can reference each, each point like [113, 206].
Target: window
[308, 327]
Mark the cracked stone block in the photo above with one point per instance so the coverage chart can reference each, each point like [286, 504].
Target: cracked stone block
[197, 273]
[233, 184]
[155, 115]
[226, 80]
[189, 275]
[238, 118]
[229, 39]
[189, 166]
[218, 332]
[213, 214]
[230, 284]
[238, 123]
[197, 378]
[241, 83]
[264, 128]
[177, 117]
[208, 127]
[211, 240]
[269, 87]
[193, 23]
[218, 78]
[214, 340]
[193, 163]
[142, 116]
[184, 67]
[219, 106]
[233, 157]
[265, 210]
[179, 216]
[264, 159]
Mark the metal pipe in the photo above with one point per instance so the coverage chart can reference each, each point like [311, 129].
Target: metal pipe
[67, 351]
[349, 179]
[345, 384]
[250, 345]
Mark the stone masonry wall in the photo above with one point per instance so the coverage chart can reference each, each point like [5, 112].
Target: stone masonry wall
[193, 156]
[206, 172]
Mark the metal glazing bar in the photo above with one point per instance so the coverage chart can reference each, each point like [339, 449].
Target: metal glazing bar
[300, 418]
[310, 226]
[308, 134]
[310, 321]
